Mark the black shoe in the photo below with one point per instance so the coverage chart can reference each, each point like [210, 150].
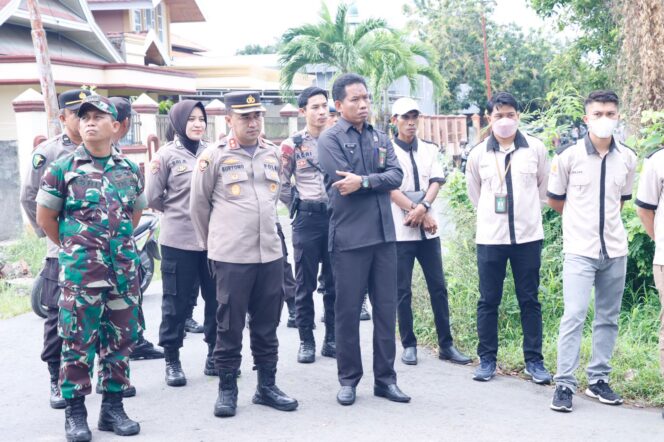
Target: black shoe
[226, 403]
[453, 355]
[346, 395]
[306, 354]
[112, 416]
[145, 350]
[56, 400]
[485, 371]
[562, 399]
[390, 392]
[267, 393]
[76, 420]
[537, 372]
[329, 348]
[604, 393]
[364, 314]
[409, 356]
[174, 375]
[191, 326]
[127, 392]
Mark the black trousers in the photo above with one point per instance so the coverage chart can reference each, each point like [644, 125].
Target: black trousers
[310, 231]
[183, 273]
[247, 288]
[428, 254]
[50, 294]
[354, 270]
[525, 260]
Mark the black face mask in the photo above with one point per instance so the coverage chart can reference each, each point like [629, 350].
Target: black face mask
[179, 115]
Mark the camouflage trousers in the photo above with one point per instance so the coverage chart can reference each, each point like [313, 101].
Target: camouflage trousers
[85, 316]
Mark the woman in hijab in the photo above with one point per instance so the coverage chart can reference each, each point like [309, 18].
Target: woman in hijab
[184, 266]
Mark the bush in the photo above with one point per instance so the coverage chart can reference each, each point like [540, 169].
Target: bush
[635, 361]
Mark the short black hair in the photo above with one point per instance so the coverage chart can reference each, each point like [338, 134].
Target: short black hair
[501, 99]
[303, 98]
[339, 86]
[601, 96]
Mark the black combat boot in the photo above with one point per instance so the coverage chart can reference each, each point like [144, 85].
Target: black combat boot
[174, 375]
[144, 349]
[330, 344]
[307, 352]
[209, 363]
[56, 400]
[76, 420]
[112, 416]
[227, 398]
[267, 393]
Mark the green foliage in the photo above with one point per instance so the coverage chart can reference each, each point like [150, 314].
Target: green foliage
[29, 248]
[165, 106]
[651, 135]
[253, 49]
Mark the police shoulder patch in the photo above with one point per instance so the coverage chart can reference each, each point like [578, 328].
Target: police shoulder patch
[38, 161]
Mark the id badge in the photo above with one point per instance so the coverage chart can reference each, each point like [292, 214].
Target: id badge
[382, 158]
[500, 202]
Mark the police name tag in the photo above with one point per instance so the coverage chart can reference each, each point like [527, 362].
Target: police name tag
[500, 202]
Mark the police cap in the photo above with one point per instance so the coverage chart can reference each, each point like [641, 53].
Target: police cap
[72, 99]
[243, 102]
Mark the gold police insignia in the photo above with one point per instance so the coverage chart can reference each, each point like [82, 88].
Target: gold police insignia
[251, 99]
[235, 189]
[181, 168]
[82, 95]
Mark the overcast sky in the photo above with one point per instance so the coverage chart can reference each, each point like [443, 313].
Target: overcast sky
[231, 25]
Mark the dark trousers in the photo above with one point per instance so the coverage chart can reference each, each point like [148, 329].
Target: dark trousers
[183, 273]
[525, 261]
[247, 288]
[49, 296]
[311, 248]
[428, 254]
[354, 270]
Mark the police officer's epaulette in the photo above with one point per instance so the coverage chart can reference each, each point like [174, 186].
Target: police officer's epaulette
[268, 142]
[563, 148]
[654, 152]
[222, 143]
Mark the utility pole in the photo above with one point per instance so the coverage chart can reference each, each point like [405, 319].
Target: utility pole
[44, 65]
[487, 70]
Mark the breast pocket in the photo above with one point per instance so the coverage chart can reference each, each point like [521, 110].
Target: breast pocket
[83, 203]
[528, 173]
[181, 177]
[489, 177]
[579, 183]
[235, 182]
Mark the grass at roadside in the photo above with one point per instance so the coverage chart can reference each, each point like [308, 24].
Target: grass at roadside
[16, 300]
[12, 302]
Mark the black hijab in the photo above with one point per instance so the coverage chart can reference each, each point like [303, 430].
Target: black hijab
[178, 115]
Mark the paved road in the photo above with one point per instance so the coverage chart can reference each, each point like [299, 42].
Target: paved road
[447, 404]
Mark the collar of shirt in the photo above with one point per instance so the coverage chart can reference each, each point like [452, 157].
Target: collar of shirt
[405, 146]
[519, 141]
[234, 144]
[347, 125]
[66, 140]
[590, 148]
[82, 154]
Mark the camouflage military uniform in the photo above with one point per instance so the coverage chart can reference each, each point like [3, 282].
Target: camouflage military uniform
[99, 265]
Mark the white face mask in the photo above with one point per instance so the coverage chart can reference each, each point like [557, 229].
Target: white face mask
[602, 127]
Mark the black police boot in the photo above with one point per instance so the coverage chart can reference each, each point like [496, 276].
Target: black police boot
[192, 326]
[267, 393]
[174, 375]
[330, 344]
[112, 416]
[56, 400]
[209, 363]
[145, 350]
[307, 352]
[227, 398]
[76, 420]
[290, 303]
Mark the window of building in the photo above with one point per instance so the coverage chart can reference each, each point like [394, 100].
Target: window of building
[146, 19]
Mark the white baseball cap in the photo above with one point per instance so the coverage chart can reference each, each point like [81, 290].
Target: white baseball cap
[404, 105]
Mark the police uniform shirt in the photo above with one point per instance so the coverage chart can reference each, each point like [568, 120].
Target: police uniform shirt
[649, 196]
[233, 202]
[520, 173]
[302, 164]
[42, 157]
[593, 189]
[168, 188]
[364, 217]
[421, 160]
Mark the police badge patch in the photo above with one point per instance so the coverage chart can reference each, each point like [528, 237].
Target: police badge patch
[203, 164]
[154, 167]
[38, 161]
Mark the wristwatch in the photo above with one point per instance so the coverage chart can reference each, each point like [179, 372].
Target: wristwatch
[365, 182]
[426, 204]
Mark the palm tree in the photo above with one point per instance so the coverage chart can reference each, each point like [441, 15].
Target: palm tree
[371, 48]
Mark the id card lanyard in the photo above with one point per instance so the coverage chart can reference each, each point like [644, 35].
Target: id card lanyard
[500, 198]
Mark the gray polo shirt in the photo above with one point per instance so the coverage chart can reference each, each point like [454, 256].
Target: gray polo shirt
[520, 172]
[593, 189]
[650, 195]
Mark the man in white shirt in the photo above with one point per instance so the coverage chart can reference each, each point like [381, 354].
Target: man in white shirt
[416, 228]
[506, 177]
